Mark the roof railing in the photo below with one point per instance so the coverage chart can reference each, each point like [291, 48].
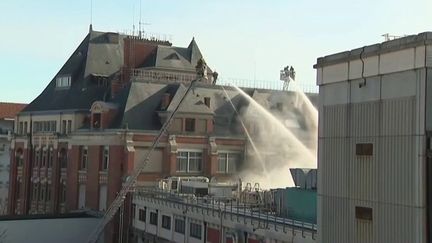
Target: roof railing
[264, 84]
[154, 75]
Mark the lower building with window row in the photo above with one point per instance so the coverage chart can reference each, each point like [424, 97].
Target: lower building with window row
[210, 219]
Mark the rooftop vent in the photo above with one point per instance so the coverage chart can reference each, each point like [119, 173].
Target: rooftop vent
[304, 178]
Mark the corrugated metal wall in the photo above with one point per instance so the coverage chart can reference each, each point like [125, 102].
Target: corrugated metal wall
[387, 181]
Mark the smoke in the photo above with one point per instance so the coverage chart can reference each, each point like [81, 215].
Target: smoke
[283, 129]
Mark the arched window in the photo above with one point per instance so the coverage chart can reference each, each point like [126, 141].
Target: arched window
[62, 158]
[19, 158]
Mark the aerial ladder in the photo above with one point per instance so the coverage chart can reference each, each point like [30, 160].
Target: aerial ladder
[130, 180]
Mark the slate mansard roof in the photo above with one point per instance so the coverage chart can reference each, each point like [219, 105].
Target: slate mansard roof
[103, 54]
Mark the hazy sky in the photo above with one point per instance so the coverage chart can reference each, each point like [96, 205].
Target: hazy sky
[240, 39]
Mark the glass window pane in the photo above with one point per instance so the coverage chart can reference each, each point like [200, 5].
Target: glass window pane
[222, 162]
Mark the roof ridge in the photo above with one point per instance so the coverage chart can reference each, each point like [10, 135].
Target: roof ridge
[11, 103]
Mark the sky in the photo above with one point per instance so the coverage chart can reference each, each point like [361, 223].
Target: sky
[249, 40]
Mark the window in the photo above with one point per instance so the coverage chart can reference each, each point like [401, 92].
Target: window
[42, 193]
[50, 157]
[44, 158]
[84, 158]
[18, 190]
[69, 126]
[179, 226]
[96, 120]
[20, 128]
[195, 230]
[105, 158]
[363, 213]
[364, 149]
[82, 196]
[48, 192]
[35, 192]
[189, 161]
[133, 210]
[62, 158]
[44, 126]
[142, 215]
[207, 101]
[25, 127]
[103, 190]
[189, 124]
[62, 191]
[153, 218]
[19, 158]
[37, 157]
[228, 162]
[64, 127]
[63, 81]
[166, 222]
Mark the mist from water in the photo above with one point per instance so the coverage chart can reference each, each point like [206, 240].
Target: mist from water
[283, 130]
[250, 140]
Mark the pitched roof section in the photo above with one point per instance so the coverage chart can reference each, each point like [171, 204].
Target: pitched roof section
[105, 54]
[172, 57]
[170, 63]
[142, 102]
[193, 102]
[9, 110]
[194, 52]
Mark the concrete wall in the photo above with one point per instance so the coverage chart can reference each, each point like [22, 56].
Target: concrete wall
[386, 109]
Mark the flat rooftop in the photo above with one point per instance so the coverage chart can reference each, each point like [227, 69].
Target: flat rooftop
[409, 41]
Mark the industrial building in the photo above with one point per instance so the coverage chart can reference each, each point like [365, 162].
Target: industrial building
[375, 121]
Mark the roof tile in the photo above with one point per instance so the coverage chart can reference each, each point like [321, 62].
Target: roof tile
[9, 110]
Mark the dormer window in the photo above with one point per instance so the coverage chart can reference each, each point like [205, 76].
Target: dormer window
[63, 81]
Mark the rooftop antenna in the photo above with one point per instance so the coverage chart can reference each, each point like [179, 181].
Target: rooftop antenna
[133, 18]
[91, 13]
[141, 24]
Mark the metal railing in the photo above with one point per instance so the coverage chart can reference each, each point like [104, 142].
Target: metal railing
[264, 84]
[232, 209]
[153, 75]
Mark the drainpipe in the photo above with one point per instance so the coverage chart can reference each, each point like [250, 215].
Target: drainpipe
[363, 67]
[205, 232]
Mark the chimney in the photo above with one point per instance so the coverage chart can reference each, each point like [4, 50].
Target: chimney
[166, 99]
[207, 101]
